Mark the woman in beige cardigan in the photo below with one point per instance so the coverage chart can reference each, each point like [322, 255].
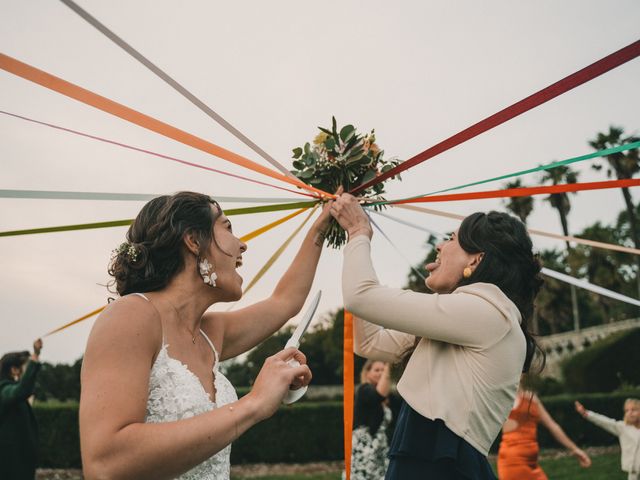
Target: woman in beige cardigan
[467, 343]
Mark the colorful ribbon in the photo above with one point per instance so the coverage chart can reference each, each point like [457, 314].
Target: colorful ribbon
[265, 268]
[155, 154]
[87, 97]
[563, 277]
[578, 78]
[78, 320]
[175, 85]
[348, 395]
[271, 225]
[548, 166]
[584, 284]
[127, 197]
[523, 192]
[246, 238]
[566, 238]
[122, 223]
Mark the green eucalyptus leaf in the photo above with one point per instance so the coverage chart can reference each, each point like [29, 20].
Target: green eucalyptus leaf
[298, 165]
[370, 175]
[308, 173]
[328, 132]
[307, 148]
[346, 132]
[297, 152]
[330, 143]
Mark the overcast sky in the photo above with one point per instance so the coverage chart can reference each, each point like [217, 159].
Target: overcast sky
[416, 71]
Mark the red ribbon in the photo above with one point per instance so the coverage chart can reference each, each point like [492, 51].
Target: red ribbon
[578, 78]
[524, 192]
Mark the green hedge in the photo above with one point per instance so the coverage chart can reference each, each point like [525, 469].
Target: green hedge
[59, 434]
[313, 431]
[606, 365]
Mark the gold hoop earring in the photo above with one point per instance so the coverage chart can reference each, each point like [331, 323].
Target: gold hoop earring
[466, 273]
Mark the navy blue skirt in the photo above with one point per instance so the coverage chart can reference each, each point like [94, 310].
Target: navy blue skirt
[422, 448]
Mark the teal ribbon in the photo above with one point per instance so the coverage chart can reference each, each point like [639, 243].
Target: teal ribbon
[548, 166]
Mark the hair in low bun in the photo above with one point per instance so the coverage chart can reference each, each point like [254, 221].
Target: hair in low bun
[153, 253]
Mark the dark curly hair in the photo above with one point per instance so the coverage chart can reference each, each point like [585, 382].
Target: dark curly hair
[508, 262]
[154, 248]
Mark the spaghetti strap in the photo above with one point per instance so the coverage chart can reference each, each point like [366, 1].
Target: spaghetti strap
[154, 307]
[215, 352]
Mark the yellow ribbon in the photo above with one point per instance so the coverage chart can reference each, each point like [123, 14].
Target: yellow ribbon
[278, 252]
[245, 238]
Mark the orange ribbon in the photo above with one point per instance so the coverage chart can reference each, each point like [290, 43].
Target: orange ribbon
[347, 380]
[524, 192]
[102, 103]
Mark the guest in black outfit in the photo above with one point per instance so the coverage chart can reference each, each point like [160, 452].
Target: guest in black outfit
[370, 421]
[18, 429]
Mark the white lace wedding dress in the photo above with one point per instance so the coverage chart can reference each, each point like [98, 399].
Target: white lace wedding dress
[176, 393]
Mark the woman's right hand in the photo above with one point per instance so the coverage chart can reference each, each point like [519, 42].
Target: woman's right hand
[275, 379]
[349, 214]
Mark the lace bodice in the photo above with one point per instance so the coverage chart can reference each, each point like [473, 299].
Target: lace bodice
[176, 393]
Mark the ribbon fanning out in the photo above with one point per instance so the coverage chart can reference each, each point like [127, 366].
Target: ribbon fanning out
[175, 85]
[87, 97]
[588, 73]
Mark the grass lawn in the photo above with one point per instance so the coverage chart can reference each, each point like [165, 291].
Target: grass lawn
[606, 466]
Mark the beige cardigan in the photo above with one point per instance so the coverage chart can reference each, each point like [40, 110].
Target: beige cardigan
[466, 368]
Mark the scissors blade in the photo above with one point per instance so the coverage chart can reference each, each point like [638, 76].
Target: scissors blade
[305, 321]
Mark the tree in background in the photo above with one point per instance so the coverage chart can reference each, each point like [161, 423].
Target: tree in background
[521, 207]
[561, 202]
[623, 165]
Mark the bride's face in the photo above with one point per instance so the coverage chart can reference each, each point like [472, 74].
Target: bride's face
[227, 258]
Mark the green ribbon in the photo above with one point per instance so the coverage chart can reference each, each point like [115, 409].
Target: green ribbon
[122, 223]
[548, 166]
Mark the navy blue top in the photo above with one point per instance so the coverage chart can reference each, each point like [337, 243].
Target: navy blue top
[424, 448]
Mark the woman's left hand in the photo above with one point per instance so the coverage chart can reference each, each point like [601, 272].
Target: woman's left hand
[349, 213]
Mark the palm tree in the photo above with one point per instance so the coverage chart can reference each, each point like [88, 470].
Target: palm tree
[561, 202]
[624, 165]
[519, 206]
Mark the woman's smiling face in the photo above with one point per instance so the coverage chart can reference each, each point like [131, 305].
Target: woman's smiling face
[447, 271]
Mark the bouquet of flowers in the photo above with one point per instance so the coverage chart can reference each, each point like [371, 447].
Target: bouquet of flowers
[341, 158]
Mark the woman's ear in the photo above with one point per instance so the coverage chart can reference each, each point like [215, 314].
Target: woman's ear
[476, 259]
[192, 243]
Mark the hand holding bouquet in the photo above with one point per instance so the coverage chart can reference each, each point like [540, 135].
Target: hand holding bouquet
[341, 158]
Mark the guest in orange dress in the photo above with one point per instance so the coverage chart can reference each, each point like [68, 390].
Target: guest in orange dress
[518, 454]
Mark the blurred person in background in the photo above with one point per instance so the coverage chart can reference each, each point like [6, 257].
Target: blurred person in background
[18, 428]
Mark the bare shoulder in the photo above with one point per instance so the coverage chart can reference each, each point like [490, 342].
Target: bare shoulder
[130, 326]
[213, 325]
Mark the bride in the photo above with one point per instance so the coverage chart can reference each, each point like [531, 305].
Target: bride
[154, 403]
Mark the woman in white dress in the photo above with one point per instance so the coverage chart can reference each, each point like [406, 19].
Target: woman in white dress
[154, 403]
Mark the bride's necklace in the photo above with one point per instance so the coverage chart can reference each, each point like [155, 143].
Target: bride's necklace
[193, 334]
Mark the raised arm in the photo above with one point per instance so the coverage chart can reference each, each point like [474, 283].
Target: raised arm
[115, 441]
[606, 423]
[247, 327]
[469, 317]
[560, 436]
